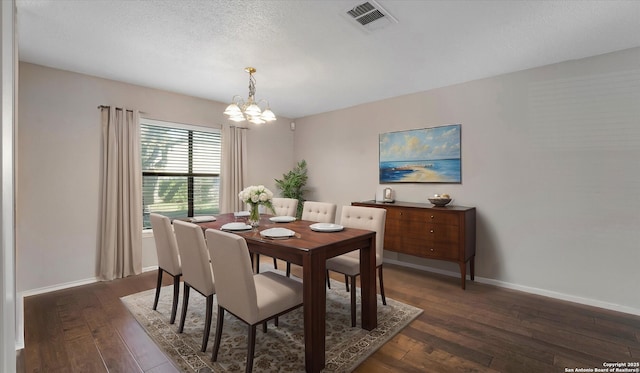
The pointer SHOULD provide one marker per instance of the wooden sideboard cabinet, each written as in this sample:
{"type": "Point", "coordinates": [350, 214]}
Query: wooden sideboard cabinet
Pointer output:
{"type": "Point", "coordinates": [423, 230]}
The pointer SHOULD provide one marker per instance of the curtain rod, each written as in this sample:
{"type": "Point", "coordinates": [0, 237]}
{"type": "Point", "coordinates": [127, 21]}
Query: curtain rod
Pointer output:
{"type": "Point", "coordinates": [107, 106]}
{"type": "Point", "coordinates": [240, 127]}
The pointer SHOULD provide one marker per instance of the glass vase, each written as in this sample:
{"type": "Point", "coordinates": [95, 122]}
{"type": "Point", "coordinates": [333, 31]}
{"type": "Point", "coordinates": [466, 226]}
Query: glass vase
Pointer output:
{"type": "Point", "coordinates": [254, 216]}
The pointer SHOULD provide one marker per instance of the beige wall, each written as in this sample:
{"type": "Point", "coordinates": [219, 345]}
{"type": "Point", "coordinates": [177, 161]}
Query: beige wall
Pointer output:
{"type": "Point", "coordinates": [550, 158]}
{"type": "Point", "coordinates": [59, 155]}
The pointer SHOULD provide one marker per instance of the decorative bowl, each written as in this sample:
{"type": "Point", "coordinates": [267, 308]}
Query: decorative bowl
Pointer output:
{"type": "Point", "coordinates": [440, 202]}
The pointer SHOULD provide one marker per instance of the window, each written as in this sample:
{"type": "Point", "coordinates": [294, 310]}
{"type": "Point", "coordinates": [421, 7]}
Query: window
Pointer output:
{"type": "Point", "coordinates": [180, 169]}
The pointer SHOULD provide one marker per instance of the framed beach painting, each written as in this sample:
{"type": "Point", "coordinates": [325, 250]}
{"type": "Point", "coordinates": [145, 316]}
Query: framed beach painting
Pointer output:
{"type": "Point", "coordinates": [427, 155]}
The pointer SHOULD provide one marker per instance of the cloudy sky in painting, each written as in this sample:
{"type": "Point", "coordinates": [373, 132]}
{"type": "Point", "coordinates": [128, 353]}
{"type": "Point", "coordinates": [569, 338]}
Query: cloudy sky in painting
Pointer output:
{"type": "Point", "coordinates": [421, 144]}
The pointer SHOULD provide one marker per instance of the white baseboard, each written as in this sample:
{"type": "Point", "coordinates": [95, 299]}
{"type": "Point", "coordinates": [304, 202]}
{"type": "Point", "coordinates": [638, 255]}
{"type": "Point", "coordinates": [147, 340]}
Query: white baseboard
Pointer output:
{"type": "Point", "coordinates": [526, 289]}
{"type": "Point", "coordinates": [19, 323]}
{"type": "Point", "coordinates": [66, 285]}
{"type": "Point", "coordinates": [149, 269]}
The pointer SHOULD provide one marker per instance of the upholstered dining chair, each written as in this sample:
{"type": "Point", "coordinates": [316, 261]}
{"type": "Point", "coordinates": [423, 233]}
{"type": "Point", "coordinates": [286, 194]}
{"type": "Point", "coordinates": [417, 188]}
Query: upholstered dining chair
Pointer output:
{"type": "Point", "coordinates": [321, 212]}
{"type": "Point", "coordinates": [285, 206]}
{"type": "Point", "coordinates": [251, 298]}
{"type": "Point", "coordinates": [168, 258]}
{"type": "Point", "coordinates": [360, 217]}
{"type": "Point", "coordinates": [196, 271]}
{"type": "Point", "coordinates": [282, 207]}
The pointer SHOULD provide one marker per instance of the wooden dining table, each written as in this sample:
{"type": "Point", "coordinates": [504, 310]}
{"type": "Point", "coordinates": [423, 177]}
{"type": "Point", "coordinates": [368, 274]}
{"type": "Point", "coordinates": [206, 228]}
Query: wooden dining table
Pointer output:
{"type": "Point", "coordinates": [310, 249]}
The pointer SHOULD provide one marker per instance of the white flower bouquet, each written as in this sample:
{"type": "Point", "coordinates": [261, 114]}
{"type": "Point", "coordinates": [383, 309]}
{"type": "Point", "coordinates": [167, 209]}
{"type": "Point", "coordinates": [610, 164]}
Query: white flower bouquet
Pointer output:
{"type": "Point", "coordinates": [255, 196]}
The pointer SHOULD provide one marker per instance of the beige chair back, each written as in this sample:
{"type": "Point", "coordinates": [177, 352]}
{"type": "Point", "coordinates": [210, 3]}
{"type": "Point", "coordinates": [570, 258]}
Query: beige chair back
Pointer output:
{"type": "Point", "coordinates": [285, 206]}
{"type": "Point", "coordinates": [236, 290]}
{"type": "Point", "coordinates": [166, 245]}
{"type": "Point", "coordinates": [196, 266]}
{"type": "Point", "coordinates": [370, 218]}
{"type": "Point", "coordinates": [322, 212]}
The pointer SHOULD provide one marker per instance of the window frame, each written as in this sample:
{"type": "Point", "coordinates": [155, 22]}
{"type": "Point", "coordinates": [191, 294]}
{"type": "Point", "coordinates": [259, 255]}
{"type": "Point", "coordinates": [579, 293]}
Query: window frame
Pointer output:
{"type": "Point", "coordinates": [190, 175]}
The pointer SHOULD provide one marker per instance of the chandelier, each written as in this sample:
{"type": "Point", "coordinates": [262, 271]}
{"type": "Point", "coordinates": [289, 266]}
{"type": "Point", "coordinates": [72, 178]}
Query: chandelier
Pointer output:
{"type": "Point", "coordinates": [240, 110]}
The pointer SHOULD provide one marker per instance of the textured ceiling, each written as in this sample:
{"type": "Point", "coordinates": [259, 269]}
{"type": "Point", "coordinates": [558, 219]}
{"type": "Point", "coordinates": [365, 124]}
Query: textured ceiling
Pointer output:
{"type": "Point", "coordinates": [310, 57]}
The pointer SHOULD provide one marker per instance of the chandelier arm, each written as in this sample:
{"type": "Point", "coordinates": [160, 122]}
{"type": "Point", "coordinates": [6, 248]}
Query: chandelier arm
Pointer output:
{"type": "Point", "coordinates": [238, 100]}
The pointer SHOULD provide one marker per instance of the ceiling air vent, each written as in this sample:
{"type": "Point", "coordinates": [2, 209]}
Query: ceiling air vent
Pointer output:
{"type": "Point", "coordinates": [370, 16]}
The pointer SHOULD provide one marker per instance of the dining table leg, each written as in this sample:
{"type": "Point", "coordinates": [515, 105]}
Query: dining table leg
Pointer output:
{"type": "Point", "coordinates": [314, 299]}
{"type": "Point", "coordinates": [368, 286]}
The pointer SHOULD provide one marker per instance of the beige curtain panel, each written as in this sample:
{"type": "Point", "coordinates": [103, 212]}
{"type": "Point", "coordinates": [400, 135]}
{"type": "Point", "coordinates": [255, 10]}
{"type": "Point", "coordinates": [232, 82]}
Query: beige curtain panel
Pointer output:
{"type": "Point", "coordinates": [121, 211]}
{"type": "Point", "coordinates": [234, 167]}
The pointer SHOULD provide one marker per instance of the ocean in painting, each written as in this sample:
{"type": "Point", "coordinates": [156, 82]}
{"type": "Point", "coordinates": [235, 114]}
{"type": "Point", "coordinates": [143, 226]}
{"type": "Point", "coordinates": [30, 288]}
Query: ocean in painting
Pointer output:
{"type": "Point", "coordinates": [434, 171]}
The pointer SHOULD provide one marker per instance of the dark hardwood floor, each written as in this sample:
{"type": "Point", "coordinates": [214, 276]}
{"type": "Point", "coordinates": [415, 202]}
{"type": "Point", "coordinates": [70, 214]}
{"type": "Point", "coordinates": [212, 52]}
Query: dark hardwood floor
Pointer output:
{"type": "Point", "coordinates": [482, 329]}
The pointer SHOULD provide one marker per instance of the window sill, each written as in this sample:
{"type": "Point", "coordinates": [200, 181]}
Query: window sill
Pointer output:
{"type": "Point", "coordinates": [147, 233]}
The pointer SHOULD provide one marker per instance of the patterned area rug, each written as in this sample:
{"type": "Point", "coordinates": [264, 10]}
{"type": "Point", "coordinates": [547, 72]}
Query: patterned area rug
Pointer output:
{"type": "Point", "coordinates": [281, 349]}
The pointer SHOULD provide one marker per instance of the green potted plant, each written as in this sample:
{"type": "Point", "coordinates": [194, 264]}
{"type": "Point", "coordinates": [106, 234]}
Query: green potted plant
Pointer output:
{"type": "Point", "coordinates": [292, 184]}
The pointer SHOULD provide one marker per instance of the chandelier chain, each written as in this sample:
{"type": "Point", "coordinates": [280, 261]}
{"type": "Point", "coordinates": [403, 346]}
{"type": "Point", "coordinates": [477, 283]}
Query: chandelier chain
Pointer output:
{"type": "Point", "coordinates": [252, 87]}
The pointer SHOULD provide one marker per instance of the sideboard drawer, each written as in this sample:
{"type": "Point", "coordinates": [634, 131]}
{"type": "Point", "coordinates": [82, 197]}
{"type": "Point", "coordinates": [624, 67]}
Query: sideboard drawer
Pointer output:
{"type": "Point", "coordinates": [441, 252]}
{"type": "Point", "coordinates": [423, 233]}
{"type": "Point", "coordinates": [422, 215]}
{"type": "Point", "coordinates": [431, 249]}
{"type": "Point", "coordinates": [437, 217]}
{"type": "Point", "coordinates": [442, 233]}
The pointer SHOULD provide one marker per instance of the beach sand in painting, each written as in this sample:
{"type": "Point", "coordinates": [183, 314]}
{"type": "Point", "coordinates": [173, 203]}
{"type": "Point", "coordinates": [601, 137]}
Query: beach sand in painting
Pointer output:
{"type": "Point", "coordinates": [422, 174]}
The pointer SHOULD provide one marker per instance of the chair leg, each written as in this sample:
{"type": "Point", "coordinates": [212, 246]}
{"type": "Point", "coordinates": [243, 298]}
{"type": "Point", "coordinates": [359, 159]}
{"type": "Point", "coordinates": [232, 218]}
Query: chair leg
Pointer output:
{"type": "Point", "coordinates": [185, 304]}
{"type": "Point", "coordinates": [275, 263]}
{"type": "Point", "coordinates": [158, 286]}
{"type": "Point", "coordinates": [384, 300]}
{"type": "Point", "coordinates": [251, 345]}
{"type": "Point", "coordinates": [346, 282]}
{"type": "Point", "coordinates": [216, 343]}
{"type": "Point", "coordinates": [257, 263]}
{"type": "Point", "coordinates": [328, 279]}
{"type": "Point", "coordinates": [353, 301]}
{"type": "Point", "coordinates": [207, 323]}
{"type": "Point", "coordinates": [288, 269]}
{"type": "Point", "coordinates": [176, 292]}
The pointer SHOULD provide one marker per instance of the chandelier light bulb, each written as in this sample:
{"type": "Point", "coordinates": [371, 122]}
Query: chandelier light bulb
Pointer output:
{"type": "Point", "coordinates": [232, 110]}
{"type": "Point", "coordinates": [253, 110]}
{"type": "Point", "coordinates": [256, 120]}
{"type": "Point", "coordinates": [268, 115]}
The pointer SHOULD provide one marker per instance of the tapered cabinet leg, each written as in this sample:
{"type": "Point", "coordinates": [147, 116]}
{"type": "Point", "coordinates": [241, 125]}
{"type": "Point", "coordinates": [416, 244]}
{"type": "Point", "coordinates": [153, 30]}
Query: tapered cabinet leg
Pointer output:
{"type": "Point", "coordinates": [463, 274]}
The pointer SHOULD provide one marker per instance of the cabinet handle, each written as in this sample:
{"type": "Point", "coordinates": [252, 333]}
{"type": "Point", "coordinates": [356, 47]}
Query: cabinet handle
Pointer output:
{"type": "Point", "coordinates": [431, 216]}
{"type": "Point", "coordinates": [431, 231]}
{"type": "Point", "coordinates": [431, 250]}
